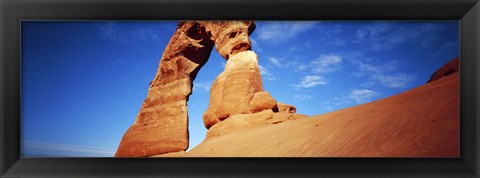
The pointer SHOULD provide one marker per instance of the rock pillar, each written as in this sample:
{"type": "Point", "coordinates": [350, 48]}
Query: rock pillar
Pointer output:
{"type": "Point", "coordinates": [162, 123]}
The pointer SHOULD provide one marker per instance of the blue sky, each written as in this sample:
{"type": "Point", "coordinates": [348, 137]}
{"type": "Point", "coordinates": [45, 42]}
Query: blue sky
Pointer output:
{"type": "Point", "coordinates": [83, 82]}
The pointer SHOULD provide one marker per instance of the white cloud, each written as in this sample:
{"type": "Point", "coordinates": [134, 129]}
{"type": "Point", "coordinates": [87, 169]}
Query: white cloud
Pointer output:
{"type": "Point", "coordinates": [202, 86]}
{"type": "Point", "coordinates": [70, 150]}
{"type": "Point", "coordinates": [310, 81]}
{"type": "Point", "coordinates": [384, 74]}
{"type": "Point", "coordinates": [326, 63]}
{"type": "Point", "coordinates": [338, 101]}
{"type": "Point", "coordinates": [255, 45]}
{"type": "Point", "coordinates": [367, 68]}
{"type": "Point", "coordinates": [297, 67]}
{"type": "Point", "coordinates": [368, 84]}
{"type": "Point", "coordinates": [266, 74]}
{"type": "Point", "coordinates": [397, 80]}
{"type": "Point", "coordinates": [275, 62]}
{"type": "Point", "coordinates": [289, 64]}
{"type": "Point", "coordinates": [355, 96]}
{"type": "Point", "coordinates": [302, 97]}
{"type": "Point", "coordinates": [276, 32]}
{"type": "Point", "coordinates": [381, 36]}
{"type": "Point", "coordinates": [362, 95]}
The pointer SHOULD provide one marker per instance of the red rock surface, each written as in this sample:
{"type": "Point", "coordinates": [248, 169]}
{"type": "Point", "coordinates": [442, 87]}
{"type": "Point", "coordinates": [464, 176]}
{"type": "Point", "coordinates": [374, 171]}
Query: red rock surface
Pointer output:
{"type": "Point", "coordinates": [449, 68]}
{"type": "Point", "coordinates": [238, 90]}
{"type": "Point", "coordinates": [282, 107]}
{"type": "Point", "coordinates": [162, 124]}
{"type": "Point", "coordinates": [244, 120]}
{"type": "Point", "coordinates": [421, 122]}
{"type": "Point", "coordinates": [231, 37]}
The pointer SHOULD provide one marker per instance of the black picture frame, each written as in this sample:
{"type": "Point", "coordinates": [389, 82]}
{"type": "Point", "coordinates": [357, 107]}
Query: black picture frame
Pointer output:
{"type": "Point", "coordinates": [14, 11]}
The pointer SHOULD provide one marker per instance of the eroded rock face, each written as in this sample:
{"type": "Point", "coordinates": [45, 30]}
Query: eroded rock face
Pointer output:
{"type": "Point", "coordinates": [240, 122]}
{"type": "Point", "coordinates": [162, 123]}
{"type": "Point", "coordinates": [447, 69]}
{"type": "Point", "coordinates": [282, 107]}
{"type": "Point", "coordinates": [237, 98]}
{"type": "Point", "coordinates": [265, 117]}
{"type": "Point", "coordinates": [231, 37]}
{"type": "Point", "coordinates": [238, 90]}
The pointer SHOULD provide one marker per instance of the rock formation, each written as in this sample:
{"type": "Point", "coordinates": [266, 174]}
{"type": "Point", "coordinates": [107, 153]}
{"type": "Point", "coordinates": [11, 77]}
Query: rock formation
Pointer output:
{"type": "Point", "coordinates": [447, 69]}
{"type": "Point", "coordinates": [240, 122]}
{"type": "Point", "coordinates": [282, 107]}
{"type": "Point", "coordinates": [161, 127]}
{"type": "Point", "coordinates": [421, 122]}
{"type": "Point", "coordinates": [231, 37]}
{"type": "Point", "coordinates": [238, 90]}
{"type": "Point", "coordinates": [162, 123]}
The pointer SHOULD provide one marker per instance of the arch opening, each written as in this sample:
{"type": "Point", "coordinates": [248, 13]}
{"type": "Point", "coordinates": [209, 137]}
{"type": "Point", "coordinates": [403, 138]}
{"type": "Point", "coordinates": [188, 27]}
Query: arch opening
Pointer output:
{"type": "Point", "coordinates": [162, 123]}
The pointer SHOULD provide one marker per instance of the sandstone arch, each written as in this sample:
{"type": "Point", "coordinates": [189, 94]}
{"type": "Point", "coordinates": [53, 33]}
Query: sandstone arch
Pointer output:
{"type": "Point", "coordinates": [162, 123]}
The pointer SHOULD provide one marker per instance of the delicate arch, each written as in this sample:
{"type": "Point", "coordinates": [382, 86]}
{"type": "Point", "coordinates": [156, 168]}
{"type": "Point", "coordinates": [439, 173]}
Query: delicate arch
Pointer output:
{"type": "Point", "coordinates": [162, 123]}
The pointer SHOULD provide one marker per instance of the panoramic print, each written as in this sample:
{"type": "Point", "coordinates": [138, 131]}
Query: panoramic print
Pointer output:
{"type": "Point", "coordinates": [240, 89]}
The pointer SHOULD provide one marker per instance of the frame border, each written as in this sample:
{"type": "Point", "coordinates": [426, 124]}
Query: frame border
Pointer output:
{"type": "Point", "coordinates": [14, 11]}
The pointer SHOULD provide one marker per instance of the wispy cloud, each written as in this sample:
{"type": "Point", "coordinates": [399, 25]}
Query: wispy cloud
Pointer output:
{"type": "Point", "coordinates": [266, 74]}
{"type": "Point", "coordinates": [397, 80]}
{"type": "Point", "coordinates": [362, 95]}
{"type": "Point", "coordinates": [57, 149]}
{"type": "Point", "coordinates": [326, 63]}
{"type": "Point", "coordinates": [255, 45]}
{"type": "Point", "coordinates": [355, 96]}
{"type": "Point", "coordinates": [202, 86]}
{"type": "Point", "coordinates": [114, 32]}
{"type": "Point", "coordinates": [383, 36]}
{"type": "Point", "coordinates": [380, 36]}
{"type": "Point", "coordinates": [384, 74]}
{"type": "Point", "coordinates": [310, 81]}
{"type": "Point", "coordinates": [276, 32]}
{"type": "Point", "coordinates": [289, 64]}
{"type": "Point", "coordinates": [275, 62]}
{"type": "Point", "coordinates": [315, 69]}
{"type": "Point", "coordinates": [300, 97]}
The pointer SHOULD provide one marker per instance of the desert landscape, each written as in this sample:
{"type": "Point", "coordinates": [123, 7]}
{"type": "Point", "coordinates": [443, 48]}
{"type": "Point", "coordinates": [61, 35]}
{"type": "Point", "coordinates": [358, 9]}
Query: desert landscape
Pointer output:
{"type": "Point", "coordinates": [244, 120]}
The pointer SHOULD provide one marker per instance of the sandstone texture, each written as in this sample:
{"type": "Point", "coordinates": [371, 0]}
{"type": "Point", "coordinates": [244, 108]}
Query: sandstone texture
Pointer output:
{"type": "Point", "coordinates": [241, 122]}
{"type": "Point", "coordinates": [244, 120]}
{"type": "Point", "coordinates": [450, 68]}
{"type": "Point", "coordinates": [238, 90]}
{"type": "Point", "coordinates": [171, 154]}
{"type": "Point", "coordinates": [421, 122]}
{"type": "Point", "coordinates": [162, 123]}
{"type": "Point", "coordinates": [282, 107]}
{"type": "Point", "coordinates": [161, 127]}
{"type": "Point", "coordinates": [231, 37]}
